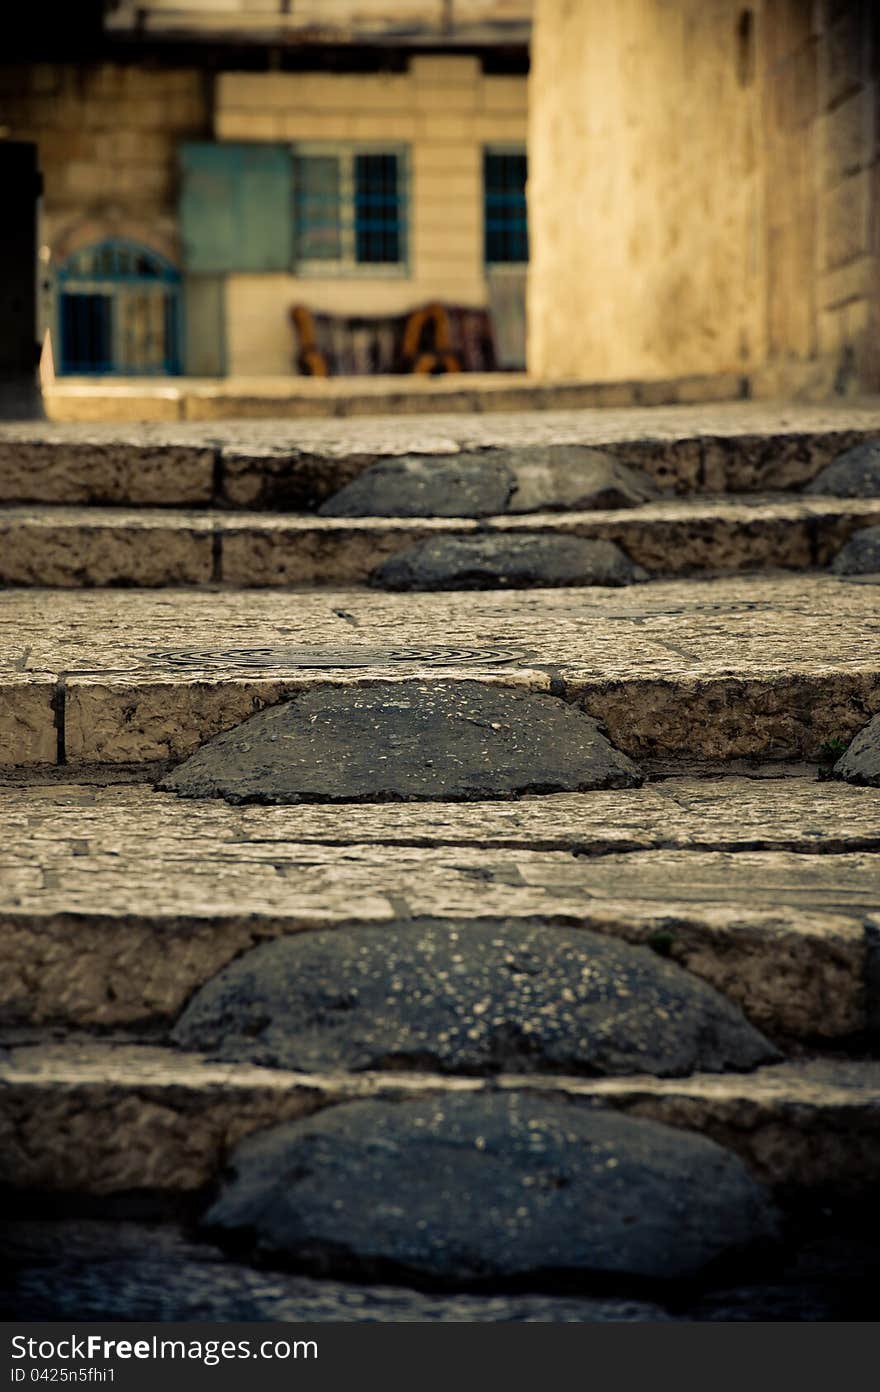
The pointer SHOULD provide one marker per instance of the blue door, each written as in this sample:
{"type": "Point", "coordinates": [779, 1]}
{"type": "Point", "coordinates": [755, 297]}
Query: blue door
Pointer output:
{"type": "Point", "coordinates": [118, 311]}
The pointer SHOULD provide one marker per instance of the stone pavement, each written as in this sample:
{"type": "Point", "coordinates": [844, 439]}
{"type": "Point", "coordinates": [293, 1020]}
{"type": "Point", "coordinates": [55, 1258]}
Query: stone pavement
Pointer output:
{"type": "Point", "coordinates": [552, 963]}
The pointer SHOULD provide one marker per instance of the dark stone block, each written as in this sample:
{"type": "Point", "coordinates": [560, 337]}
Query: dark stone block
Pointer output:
{"type": "Point", "coordinates": [458, 485]}
{"type": "Point", "coordinates": [394, 741]}
{"type": "Point", "coordinates": [463, 1190]}
{"type": "Point", "coordinates": [860, 555]}
{"type": "Point", "coordinates": [853, 474]}
{"type": "Point", "coordinates": [576, 477]}
{"type": "Point", "coordinates": [483, 483]}
{"type": "Point", "coordinates": [473, 998]}
{"type": "Point", "coordinates": [861, 762]}
{"type": "Point", "coordinates": [491, 561]}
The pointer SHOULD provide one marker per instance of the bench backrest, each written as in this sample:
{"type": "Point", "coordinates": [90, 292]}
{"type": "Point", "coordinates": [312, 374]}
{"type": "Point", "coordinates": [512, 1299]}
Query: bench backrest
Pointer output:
{"type": "Point", "coordinates": [432, 338]}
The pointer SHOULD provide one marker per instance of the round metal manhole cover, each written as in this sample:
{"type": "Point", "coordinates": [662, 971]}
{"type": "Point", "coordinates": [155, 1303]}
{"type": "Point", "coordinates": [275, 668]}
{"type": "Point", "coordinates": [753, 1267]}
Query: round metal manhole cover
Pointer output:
{"type": "Point", "coordinates": [185, 658]}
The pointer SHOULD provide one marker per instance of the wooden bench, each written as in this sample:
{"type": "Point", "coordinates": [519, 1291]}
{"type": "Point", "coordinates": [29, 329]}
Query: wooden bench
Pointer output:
{"type": "Point", "coordinates": [434, 338]}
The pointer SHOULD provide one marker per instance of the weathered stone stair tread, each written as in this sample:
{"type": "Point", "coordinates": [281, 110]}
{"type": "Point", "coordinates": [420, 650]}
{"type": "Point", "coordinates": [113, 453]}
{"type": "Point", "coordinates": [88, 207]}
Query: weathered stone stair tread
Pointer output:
{"type": "Point", "coordinates": [110, 1117]}
{"type": "Point", "coordinates": [121, 931]}
{"type": "Point", "coordinates": [80, 546]}
{"type": "Point", "coordinates": [848, 882]}
{"type": "Point", "coordinates": [716, 669]}
{"type": "Point", "coordinates": [797, 814]}
{"type": "Point", "coordinates": [741, 446]}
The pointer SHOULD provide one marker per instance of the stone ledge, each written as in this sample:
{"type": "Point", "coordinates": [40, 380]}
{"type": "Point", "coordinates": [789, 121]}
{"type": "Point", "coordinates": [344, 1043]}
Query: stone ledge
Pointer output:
{"type": "Point", "coordinates": [736, 446]}
{"type": "Point", "coordinates": [59, 823]}
{"type": "Point", "coordinates": [109, 939]}
{"type": "Point", "coordinates": [297, 397]}
{"type": "Point", "coordinates": [88, 546]}
{"type": "Point", "coordinates": [105, 1119]}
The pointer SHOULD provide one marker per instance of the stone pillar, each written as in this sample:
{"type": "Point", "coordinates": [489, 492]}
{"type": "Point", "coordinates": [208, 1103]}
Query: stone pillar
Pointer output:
{"type": "Point", "coordinates": [643, 201]}
{"type": "Point", "coordinates": [703, 192]}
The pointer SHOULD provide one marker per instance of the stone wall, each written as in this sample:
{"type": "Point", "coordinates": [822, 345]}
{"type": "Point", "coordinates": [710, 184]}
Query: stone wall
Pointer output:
{"type": "Point", "coordinates": [107, 138]}
{"type": "Point", "coordinates": [445, 110]}
{"type": "Point", "coordinates": [703, 185]}
{"type": "Point", "coordinates": [849, 128]}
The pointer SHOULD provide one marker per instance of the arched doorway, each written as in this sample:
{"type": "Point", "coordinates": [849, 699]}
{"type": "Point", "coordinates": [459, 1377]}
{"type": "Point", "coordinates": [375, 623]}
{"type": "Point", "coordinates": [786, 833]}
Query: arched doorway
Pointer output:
{"type": "Point", "coordinates": [118, 311]}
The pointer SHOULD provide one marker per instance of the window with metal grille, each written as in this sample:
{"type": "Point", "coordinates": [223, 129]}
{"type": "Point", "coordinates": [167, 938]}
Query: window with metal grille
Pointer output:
{"type": "Point", "coordinates": [350, 208]}
{"type": "Point", "coordinates": [504, 207]}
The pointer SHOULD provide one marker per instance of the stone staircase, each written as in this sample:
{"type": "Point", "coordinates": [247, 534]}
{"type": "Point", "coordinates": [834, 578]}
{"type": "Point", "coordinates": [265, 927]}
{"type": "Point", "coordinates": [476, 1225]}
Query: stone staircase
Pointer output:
{"type": "Point", "coordinates": [434, 884]}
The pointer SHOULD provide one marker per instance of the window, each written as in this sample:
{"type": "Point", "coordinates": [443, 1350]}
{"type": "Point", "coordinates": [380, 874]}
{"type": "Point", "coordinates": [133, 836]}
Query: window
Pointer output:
{"type": "Point", "coordinates": [504, 207]}
{"type": "Point", "coordinates": [349, 210]}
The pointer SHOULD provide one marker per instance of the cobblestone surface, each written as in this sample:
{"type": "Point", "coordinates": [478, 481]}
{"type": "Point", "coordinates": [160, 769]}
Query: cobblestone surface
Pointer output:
{"type": "Point", "coordinates": [89, 1270]}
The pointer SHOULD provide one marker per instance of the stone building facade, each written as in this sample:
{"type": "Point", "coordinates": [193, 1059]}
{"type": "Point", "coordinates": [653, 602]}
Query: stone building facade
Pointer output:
{"type": "Point", "coordinates": [704, 184]}
{"type": "Point", "coordinates": [107, 137]}
{"type": "Point", "coordinates": [113, 135]}
{"type": "Point", "coordinates": [704, 192]}
{"type": "Point", "coordinates": [443, 112]}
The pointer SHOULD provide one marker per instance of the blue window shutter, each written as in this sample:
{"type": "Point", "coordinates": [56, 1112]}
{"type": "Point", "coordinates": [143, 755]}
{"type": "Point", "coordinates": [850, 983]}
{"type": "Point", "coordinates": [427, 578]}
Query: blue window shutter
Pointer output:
{"type": "Point", "coordinates": [235, 207]}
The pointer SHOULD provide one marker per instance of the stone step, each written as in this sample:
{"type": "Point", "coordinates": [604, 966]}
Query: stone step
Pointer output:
{"type": "Point", "coordinates": [734, 447]}
{"type": "Point", "coordinates": [151, 547]}
{"type": "Point", "coordinates": [108, 1118]}
{"type": "Point", "coordinates": [119, 903]}
{"type": "Point", "coordinates": [59, 822]}
{"type": "Point", "coordinates": [746, 667]}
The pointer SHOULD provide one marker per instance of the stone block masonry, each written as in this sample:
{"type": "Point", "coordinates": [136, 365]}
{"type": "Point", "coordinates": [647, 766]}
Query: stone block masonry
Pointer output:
{"type": "Point", "coordinates": [107, 136]}
{"type": "Point", "coordinates": [445, 110]}
{"type": "Point", "coordinates": [730, 668]}
{"type": "Point", "coordinates": [733, 226]}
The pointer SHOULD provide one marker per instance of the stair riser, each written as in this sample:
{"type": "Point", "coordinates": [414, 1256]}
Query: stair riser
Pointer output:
{"type": "Point", "coordinates": [797, 973]}
{"type": "Point", "coordinates": [712, 720]}
{"type": "Point", "coordinates": [84, 553]}
{"type": "Point", "coordinates": [173, 473]}
{"type": "Point", "coordinates": [172, 1137]}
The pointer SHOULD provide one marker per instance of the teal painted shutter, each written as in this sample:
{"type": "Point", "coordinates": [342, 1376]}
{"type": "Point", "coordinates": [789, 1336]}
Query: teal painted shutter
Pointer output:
{"type": "Point", "coordinates": [236, 207]}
